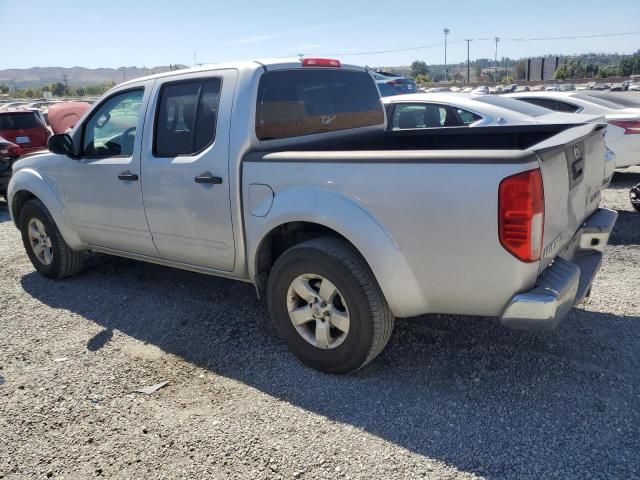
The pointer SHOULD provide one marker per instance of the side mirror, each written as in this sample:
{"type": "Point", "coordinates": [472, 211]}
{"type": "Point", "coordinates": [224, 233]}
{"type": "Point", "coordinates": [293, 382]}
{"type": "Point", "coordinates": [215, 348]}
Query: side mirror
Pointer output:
{"type": "Point", "coordinates": [62, 144]}
{"type": "Point", "coordinates": [103, 120]}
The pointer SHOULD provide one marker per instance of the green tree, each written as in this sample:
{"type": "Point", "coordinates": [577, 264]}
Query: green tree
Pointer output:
{"type": "Point", "coordinates": [603, 72]}
{"type": "Point", "coordinates": [4, 88]}
{"type": "Point", "coordinates": [630, 65]}
{"type": "Point", "coordinates": [57, 89]}
{"type": "Point", "coordinates": [561, 73]}
{"type": "Point", "coordinates": [421, 79]}
{"type": "Point", "coordinates": [419, 67]}
{"type": "Point", "coordinates": [80, 92]}
{"type": "Point", "coordinates": [521, 70]}
{"type": "Point", "coordinates": [28, 93]}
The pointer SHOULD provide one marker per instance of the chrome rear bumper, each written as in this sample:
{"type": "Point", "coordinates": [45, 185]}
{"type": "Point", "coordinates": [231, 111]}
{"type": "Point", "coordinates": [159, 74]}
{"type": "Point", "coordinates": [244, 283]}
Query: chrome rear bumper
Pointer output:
{"type": "Point", "coordinates": [565, 282]}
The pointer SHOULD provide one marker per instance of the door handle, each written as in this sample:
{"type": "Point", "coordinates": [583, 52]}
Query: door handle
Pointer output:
{"type": "Point", "coordinates": [208, 177]}
{"type": "Point", "coordinates": [127, 175]}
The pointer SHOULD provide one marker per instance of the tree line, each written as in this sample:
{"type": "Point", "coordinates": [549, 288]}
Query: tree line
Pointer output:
{"type": "Point", "coordinates": [589, 65]}
{"type": "Point", "coordinates": [59, 89]}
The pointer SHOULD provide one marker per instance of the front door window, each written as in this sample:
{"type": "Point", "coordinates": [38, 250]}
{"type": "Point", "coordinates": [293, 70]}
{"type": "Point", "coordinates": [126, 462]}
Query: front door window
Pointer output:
{"type": "Point", "coordinates": [111, 130]}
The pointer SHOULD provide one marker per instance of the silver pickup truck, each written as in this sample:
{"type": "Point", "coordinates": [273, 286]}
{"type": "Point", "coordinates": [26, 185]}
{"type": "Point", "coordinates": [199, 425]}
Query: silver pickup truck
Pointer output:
{"type": "Point", "coordinates": [280, 173]}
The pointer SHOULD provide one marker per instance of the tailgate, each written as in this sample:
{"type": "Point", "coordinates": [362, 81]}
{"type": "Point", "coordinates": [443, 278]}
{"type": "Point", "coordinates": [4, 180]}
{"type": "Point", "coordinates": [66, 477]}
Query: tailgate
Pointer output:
{"type": "Point", "coordinates": [573, 172]}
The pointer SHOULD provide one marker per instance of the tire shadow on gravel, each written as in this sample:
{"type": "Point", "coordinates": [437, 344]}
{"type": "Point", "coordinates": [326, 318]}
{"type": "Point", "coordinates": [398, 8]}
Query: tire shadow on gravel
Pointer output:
{"type": "Point", "coordinates": [624, 179]}
{"type": "Point", "coordinates": [627, 229]}
{"type": "Point", "coordinates": [462, 390]}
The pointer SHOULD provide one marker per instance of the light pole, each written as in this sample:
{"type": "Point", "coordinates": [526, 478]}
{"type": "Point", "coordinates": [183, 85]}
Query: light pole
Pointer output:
{"type": "Point", "coordinates": [468, 40]}
{"type": "Point", "coordinates": [495, 66]}
{"type": "Point", "coordinates": [446, 32]}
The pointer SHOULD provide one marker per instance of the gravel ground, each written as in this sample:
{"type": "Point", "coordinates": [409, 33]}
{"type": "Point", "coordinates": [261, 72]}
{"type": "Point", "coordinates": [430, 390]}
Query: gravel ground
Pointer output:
{"type": "Point", "coordinates": [451, 397]}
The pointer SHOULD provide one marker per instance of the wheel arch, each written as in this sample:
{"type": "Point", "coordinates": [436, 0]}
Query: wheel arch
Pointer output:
{"type": "Point", "coordinates": [28, 184]}
{"type": "Point", "coordinates": [301, 214]}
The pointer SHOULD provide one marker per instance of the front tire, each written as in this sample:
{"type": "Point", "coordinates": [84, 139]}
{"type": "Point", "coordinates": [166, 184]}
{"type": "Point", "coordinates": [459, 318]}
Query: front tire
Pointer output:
{"type": "Point", "coordinates": [328, 307]}
{"type": "Point", "coordinates": [49, 253]}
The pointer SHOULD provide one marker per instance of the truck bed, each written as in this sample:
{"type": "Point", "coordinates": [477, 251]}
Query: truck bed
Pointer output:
{"type": "Point", "coordinates": [513, 137]}
{"type": "Point", "coordinates": [435, 194]}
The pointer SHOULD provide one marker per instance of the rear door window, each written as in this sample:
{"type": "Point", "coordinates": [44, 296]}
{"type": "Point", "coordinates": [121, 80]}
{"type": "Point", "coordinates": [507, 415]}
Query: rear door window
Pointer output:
{"type": "Point", "coordinates": [551, 104]}
{"type": "Point", "coordinates": [293, 103]}
{"type": "Point", "coordinates": [15, 121]}
{"type": "Point", "coordinates": [424, 115]}
{"type": "Point", "coordinates": [186, 117]}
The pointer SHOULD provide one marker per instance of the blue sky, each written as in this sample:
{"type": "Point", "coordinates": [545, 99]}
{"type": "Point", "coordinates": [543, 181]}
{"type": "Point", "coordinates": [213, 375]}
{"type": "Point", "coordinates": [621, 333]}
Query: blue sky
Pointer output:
{"type": "Point", "coordinates": [116, 33]}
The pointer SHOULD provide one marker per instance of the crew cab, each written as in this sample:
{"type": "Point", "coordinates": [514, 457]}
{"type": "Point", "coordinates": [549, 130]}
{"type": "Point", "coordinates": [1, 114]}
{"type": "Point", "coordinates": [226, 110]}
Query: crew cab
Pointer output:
{"type": "Point", "coordinates": [282, 173]}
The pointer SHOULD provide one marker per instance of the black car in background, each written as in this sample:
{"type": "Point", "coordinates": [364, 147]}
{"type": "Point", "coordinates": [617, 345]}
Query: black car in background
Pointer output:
{"type": "Point", "coordinates": [9, 153]}
{"type": "Point", "coordinates": [391, 84]}
{"type": "Point", "coordinates": [634, 195]}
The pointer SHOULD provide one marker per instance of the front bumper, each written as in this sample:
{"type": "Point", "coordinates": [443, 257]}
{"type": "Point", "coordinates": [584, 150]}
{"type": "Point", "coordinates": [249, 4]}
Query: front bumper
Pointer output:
{"type": "Point", "coordinates": [566, 281]}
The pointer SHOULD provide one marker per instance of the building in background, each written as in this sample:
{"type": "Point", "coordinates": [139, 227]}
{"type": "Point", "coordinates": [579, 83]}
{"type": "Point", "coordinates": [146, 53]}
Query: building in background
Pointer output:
{"type": "Point", "coordinates": [542, 68]}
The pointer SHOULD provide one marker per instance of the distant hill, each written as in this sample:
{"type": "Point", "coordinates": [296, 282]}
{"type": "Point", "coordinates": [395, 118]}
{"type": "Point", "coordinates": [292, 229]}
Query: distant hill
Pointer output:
{"type": "Point", "coordinates": [76, 76]}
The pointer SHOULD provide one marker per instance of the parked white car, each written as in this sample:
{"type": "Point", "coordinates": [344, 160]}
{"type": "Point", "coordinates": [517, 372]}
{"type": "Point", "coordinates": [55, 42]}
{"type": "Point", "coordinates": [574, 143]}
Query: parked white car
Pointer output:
{"type": "Point", "coordinates": [459, 110]}
{"type": "Point", "coordinates": [481, 90]}
{"type": "Point", "coordinates": [435, 110]}
{"type": "Point", "coordinates": [623, 132]}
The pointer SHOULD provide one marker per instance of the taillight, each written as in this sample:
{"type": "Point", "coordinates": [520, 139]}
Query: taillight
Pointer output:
{"type": "Point", "coordinates": [521, 215]}
{"type": "Point", "coordinates": [631, 127]}
{"type": "Point", "coordinates": [394, 82]}
{"type": "Point", "coordinates": [321, 62]}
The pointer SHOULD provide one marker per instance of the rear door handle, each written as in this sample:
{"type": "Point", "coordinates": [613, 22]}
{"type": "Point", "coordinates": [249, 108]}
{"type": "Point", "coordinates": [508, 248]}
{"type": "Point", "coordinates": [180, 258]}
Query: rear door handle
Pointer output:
{"type": "Point", "coordinates": [208, 177]}
{"type": "Point", "coordinates": [127, 175]}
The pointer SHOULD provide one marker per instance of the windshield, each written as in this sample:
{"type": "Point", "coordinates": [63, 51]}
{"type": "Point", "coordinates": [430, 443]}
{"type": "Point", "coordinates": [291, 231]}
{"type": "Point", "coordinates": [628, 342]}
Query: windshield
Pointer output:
{"type": "Point", "coordinates": [515, 105]}
{"type": "Point", "coordinates": [601, 101]}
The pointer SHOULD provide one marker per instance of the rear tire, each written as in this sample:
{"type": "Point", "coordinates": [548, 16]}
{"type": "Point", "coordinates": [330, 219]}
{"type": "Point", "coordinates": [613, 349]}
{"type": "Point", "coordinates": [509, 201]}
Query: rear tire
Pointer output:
{"type": "Point", "coordinates": [49, 253]}
{"type": "Point", "coordinates": [349, 322]}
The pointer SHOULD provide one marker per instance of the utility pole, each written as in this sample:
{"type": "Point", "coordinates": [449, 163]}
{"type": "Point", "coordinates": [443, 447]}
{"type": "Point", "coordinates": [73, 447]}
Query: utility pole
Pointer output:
{"type": "Point", "coordinates": [66, 85]}
{"type": "Point", "coordinates": [495, 67]}
{"type": "Point", "coordinates": [446, 33]}
{"type": "Point", "coordinates": [468, 40]}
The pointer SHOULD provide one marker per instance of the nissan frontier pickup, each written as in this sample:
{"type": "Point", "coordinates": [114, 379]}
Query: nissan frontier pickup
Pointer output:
{"type": "Point", "coordinates": [281, 173]}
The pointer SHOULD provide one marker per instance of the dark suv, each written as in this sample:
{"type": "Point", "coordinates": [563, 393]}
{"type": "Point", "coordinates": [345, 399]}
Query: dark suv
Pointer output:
{"type": "Point", "coordinates": [391, 84]}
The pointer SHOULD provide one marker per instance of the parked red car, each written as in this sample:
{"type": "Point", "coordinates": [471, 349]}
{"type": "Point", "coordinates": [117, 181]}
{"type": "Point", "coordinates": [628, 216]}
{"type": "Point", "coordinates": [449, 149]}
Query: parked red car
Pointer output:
{"type": "Point", "coordinates": [25, 128]}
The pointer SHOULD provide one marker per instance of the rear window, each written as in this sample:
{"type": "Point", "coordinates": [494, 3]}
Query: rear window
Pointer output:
{"type": "Point", "coordinates": [601, 101]}
{"type": "Point", "coordinates": [14, 121]}
{"type": "Point", "coordinates": [515, 105]}
{"type": "Point", "coordinates": [293, 103]}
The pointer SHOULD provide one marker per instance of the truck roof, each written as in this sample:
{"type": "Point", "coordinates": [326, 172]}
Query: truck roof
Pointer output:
{"type": "Point", "coordinates": [266, 63]}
